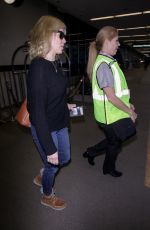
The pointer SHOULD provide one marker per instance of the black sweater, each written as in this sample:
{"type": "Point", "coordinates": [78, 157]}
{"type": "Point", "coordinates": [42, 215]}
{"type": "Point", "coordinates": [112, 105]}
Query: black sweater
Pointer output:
{"type": "Point", "coordinates": [47, 102]}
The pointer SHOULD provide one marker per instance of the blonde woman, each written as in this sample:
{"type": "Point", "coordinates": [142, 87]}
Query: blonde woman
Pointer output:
{"type": "Point", "coordinates": [111, 98]}
{"type": "Point", "coordinates": [47, 104]}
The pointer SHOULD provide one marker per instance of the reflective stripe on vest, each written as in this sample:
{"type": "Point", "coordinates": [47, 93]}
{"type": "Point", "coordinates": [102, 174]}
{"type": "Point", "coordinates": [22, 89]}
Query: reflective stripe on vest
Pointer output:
{"type": "Point", "coordinates": [101, 97]}
{"type": "Point", "coordinates": [119, 93]}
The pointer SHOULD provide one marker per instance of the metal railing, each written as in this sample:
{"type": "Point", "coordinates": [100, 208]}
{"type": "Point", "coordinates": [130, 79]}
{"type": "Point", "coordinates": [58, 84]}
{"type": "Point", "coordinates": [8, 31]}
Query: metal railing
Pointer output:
{"type": "Point", "coordinates": [12, 91]}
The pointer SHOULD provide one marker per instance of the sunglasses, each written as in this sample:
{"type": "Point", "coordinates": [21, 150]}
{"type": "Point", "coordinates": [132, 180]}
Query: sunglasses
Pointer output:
{"type": "Point", "coordinates": [62, 35]}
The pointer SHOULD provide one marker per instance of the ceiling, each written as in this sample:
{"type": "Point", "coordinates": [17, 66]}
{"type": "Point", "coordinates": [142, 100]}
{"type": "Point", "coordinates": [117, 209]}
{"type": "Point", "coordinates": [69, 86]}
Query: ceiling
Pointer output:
{"type": "Point", "coordinates": [86, 9]}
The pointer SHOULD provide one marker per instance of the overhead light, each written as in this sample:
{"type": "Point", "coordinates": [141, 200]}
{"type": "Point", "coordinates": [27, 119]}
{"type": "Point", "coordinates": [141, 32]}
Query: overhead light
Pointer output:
{"type": "Point", "coordinates": [144, 45]}
{"type": "Point", "coordinates": [134, 28]}
{"type": "Point", "coordinates": [127, 15]}
{"type": "Point", "coordinates": [101, 18]}
{"type": "Point", "coordinates": [9, 1]}
{"type": "Point", "coordinates": [136, 35]}
{"type": "Point", "coordinates": [140, 35]}
{"type": "Point", "coordinates": [121, 15]}
{"type": "Point", "coordinates": [137, 40]}
{"type": "Point", "coordinates": [146, 12]}
{"type": "Point", "coordinates": [74, 34]}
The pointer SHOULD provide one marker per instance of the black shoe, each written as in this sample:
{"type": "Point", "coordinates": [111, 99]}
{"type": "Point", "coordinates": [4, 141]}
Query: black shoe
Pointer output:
{"type": "Point", "coordinates": [113, 173]}
{"type": "Point", "coordinates": [90, 159]}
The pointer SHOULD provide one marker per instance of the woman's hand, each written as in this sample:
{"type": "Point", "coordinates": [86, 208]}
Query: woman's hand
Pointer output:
{"type": "Point", "coordinates": [133, 115]}
{"type": "Point", "coordinates": [132, 107]}
{"type": "Point", "coordinates": [71, 106]}
{"type": "Point", "coordinates": [53, 159]}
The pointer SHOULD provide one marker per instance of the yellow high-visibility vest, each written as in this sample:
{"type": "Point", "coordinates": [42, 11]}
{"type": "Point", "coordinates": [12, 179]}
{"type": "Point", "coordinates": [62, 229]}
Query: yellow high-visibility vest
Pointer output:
{"type": "Point", "coordinates": [104, 111]}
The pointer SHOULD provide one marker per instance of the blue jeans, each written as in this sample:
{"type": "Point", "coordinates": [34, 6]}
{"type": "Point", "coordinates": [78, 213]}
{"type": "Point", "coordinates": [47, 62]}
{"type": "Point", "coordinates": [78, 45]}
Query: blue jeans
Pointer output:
{"type": "Point", "coordinates": [62, 143]}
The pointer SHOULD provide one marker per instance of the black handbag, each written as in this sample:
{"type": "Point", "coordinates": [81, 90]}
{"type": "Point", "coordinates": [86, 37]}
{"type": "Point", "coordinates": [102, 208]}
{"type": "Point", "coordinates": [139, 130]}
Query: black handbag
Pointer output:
{"type": "Point", "coordinates": [124, 128]}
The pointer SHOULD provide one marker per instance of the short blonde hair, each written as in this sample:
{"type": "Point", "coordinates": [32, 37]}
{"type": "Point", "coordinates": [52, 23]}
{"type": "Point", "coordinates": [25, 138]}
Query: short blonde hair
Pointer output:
{"type": "Point", "coordinates": [41, 33]}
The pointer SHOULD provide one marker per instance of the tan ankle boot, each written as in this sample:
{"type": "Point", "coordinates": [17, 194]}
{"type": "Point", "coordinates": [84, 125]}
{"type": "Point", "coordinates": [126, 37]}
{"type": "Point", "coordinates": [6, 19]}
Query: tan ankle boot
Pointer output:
{"type": "Point", "coordinates": [53, 202]}
{"type": "Point", "coordinates": [38, 180]}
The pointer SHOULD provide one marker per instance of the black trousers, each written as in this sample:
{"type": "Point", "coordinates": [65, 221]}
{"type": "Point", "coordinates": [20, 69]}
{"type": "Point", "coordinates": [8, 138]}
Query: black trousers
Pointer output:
{"type": "Point", "coordinates": [111, 146]}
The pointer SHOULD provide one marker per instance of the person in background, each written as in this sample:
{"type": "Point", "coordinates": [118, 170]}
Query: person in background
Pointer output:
{"type": "Point", "coordinates": [111, 97]}
{"type": "Point", "coordinates": [47, 104]}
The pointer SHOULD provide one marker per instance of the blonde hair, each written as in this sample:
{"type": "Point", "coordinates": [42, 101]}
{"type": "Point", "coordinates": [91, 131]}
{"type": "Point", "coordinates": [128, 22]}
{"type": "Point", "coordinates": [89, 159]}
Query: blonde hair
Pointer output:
{"type": "Point", "coordinates": [107, 32]}
{"type": "Point", "coordinates": [41, 33]}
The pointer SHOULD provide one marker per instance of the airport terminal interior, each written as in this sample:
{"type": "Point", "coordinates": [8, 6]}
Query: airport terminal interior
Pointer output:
{"type": "Point", "coordinates": [94, 201]}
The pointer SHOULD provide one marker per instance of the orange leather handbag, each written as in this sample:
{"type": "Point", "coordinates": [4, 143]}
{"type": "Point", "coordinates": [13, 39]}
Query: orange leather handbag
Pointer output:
{"type": "Point", "coordinates": [22, 116]}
